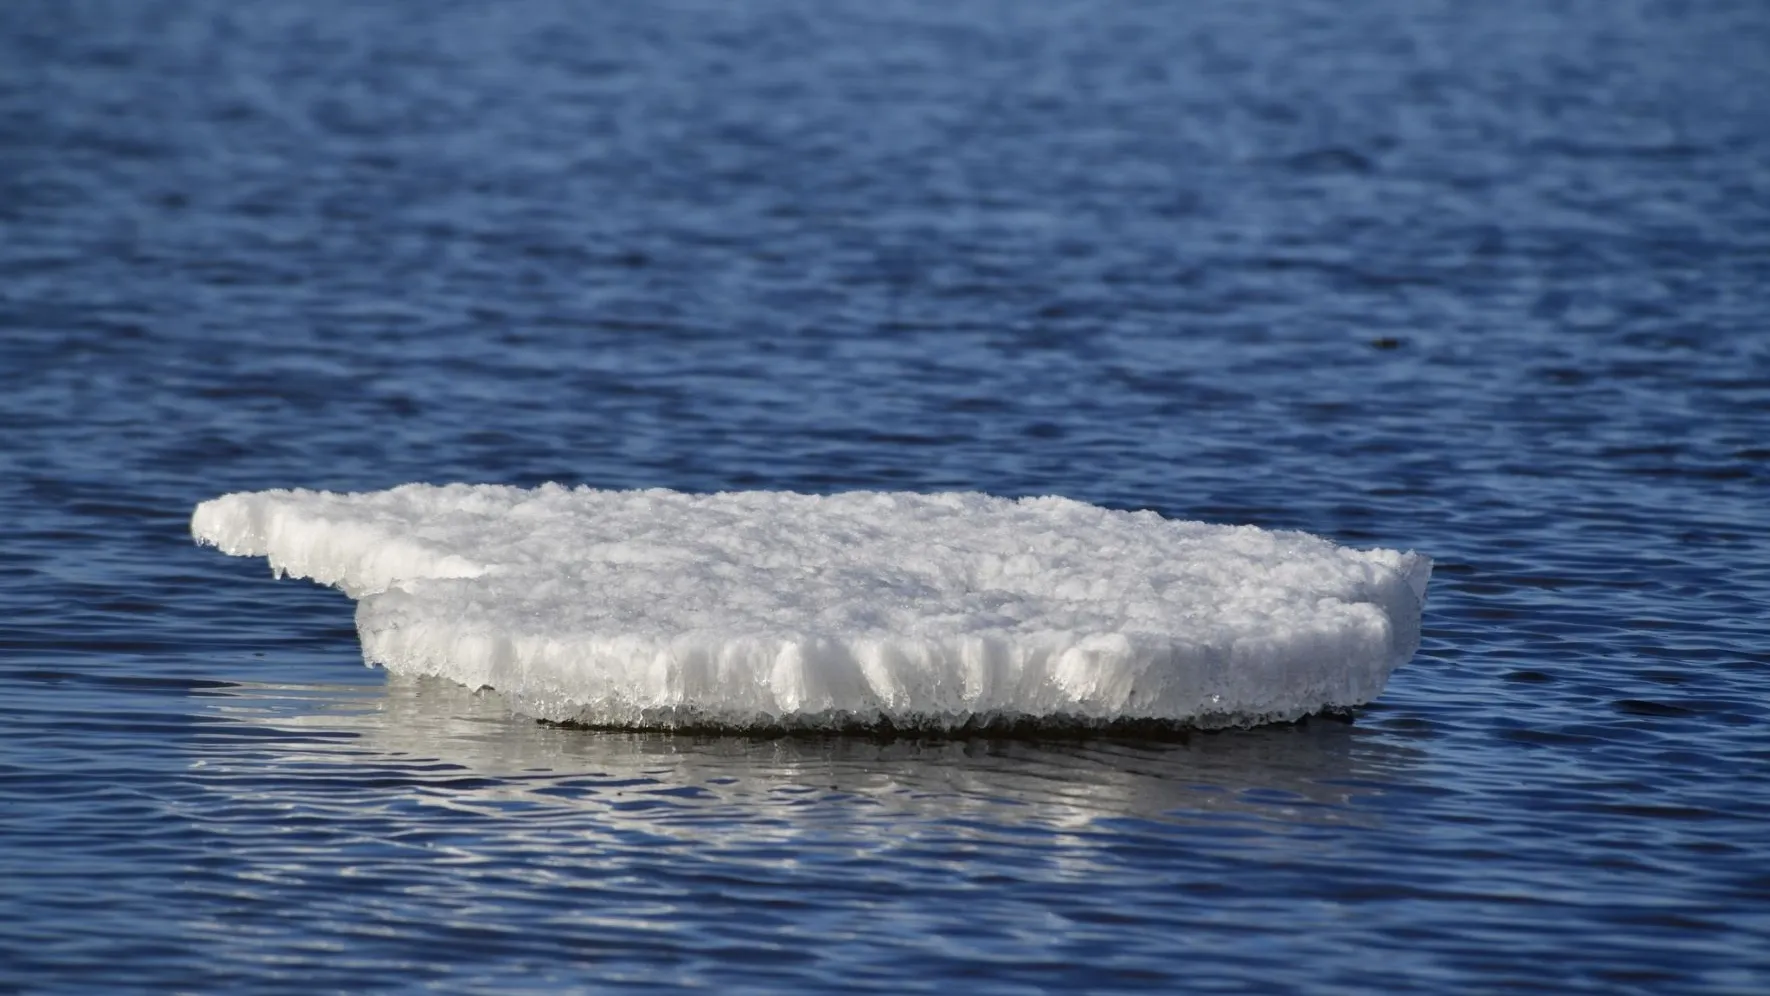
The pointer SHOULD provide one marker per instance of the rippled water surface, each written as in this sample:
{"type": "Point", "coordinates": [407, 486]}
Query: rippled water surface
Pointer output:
{"type": "Point", "coordinates": [1488, 281]}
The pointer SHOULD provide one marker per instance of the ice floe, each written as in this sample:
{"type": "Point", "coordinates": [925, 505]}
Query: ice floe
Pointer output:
{"type": "Point", "coordinates": [772, 609]}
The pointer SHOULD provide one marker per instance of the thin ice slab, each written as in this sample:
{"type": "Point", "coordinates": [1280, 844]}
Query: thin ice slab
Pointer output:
{"type": "Point", "coordinates": [778, 610]}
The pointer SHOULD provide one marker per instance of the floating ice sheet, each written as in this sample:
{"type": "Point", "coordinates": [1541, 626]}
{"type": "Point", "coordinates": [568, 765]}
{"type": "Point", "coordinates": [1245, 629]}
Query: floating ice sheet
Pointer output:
{"type": "Point", "coordinates": [769, 609]}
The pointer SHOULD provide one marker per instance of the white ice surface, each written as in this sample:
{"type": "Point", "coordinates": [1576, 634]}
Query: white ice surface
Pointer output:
{"type": "Point", "coordinates": [742, 609]}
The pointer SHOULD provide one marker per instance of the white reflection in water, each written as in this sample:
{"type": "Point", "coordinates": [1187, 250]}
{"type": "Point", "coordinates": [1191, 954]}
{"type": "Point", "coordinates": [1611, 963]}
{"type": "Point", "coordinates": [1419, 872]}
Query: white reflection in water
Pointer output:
{"type": "Point", "coordinates": [399, 814]}
{"type": "Point", "coordinates": [464, 750]}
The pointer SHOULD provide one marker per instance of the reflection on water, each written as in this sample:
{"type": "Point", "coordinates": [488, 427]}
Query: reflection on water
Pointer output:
{"type": "Point", "coordinates": [391, 818]}
{"type": "Point", "coordinates": [386, 820]}
{"type": "Point", "coordinates": [465, 749]}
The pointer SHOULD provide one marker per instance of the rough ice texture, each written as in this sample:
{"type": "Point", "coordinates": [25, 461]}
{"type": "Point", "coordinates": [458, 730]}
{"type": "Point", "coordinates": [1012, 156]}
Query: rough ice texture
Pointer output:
{"type": "Point", "coordinates": [769, 609]}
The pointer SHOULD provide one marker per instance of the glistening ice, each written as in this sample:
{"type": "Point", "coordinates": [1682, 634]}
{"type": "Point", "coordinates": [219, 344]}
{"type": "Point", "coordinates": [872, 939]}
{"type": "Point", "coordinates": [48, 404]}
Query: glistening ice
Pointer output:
{"type": "Point", "coordinates": [770, 609]}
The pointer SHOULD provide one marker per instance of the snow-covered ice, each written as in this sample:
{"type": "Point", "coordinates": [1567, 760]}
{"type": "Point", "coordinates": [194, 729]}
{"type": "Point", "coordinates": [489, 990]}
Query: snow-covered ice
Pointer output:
{"type": "Point", "coordinates": [747, 609]}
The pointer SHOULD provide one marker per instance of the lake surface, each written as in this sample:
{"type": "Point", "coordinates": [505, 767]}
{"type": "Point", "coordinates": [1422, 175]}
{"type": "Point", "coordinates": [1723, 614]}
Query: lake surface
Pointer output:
{"type": "Point", "coordinates": [1487, 281]}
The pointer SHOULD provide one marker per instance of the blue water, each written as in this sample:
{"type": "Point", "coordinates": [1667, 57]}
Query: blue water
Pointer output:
{"type": "Point", "coordinates": [1490, 281]}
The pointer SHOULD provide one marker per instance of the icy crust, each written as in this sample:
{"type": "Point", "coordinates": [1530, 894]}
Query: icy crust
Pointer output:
{"type": "Point", "coordinates": [767, 609]}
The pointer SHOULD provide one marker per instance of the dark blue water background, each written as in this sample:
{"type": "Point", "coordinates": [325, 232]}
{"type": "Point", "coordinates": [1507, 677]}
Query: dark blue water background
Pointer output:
{"type": "Point", "coordinates": [1491, 281]}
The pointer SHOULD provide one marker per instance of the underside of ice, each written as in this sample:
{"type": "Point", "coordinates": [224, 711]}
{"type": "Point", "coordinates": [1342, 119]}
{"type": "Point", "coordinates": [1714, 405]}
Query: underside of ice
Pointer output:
{"type": "Point", "coordinates": [779, 610]}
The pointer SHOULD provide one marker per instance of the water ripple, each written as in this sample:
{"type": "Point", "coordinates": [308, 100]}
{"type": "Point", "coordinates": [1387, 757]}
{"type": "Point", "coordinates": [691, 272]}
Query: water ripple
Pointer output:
{"type": "Point", "coordinates": [1485, 282]}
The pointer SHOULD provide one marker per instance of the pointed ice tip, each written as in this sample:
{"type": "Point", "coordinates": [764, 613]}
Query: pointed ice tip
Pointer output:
{"type": "Point", "coordinates": [1418, 574]}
